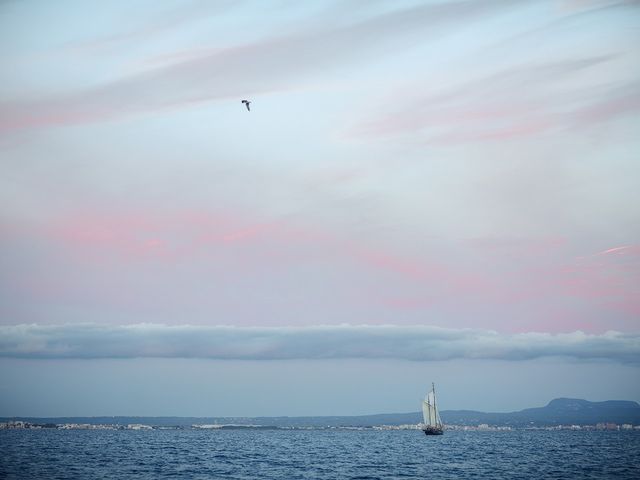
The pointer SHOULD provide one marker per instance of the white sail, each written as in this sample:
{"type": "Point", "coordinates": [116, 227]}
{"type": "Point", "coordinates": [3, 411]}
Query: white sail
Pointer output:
{"type": "Point", "coordinates": [430, 413]}
{"type": "Point", "coordinates": [425, 412]}
{"type": "Point", "coordinates": [432, 409]}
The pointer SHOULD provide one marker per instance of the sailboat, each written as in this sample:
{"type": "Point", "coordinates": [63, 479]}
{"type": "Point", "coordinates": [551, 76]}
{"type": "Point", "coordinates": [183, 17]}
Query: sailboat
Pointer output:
{"type": "Point", "coordinates": [432, 424]}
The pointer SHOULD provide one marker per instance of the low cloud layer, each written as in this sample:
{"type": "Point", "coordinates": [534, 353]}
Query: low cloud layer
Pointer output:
{"type": "Point", "coordinates": [417, 343]}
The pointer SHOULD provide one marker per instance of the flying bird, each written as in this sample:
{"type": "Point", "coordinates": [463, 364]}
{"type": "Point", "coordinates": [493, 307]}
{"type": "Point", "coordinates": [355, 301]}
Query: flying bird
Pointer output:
{"type": "Point", "coordinates": [246, 104]}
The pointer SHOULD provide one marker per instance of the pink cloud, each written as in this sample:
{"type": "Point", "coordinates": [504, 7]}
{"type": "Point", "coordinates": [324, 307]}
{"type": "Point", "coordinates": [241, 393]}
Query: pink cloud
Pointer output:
{"type": "Point", "coordinates": [152, 234]}
{"type": "Point", "coordinates": [604, 278]}
{"type": "Point", "coordinates": [518, 102]}
{"type": "Point", "coordinates": [384, 260]}
{"type": "Point", "coordinates": [188, 235]}
{"type": "Point", "coordinates": [624, 250]}
{"type": "Point", "coordinates": [507, 283]}
{"type": "Point", "coordinates": [623, 101]}
{"type": "Point", "coordinates": [131, 238]}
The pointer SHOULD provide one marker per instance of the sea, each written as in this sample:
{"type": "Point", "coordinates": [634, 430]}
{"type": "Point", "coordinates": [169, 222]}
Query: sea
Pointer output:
{"type": "Point", "coordinates": [317, 454]}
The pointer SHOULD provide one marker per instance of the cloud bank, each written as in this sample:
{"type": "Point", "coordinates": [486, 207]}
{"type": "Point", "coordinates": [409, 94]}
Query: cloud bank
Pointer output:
{"type": "Point", "coordinates": [416, 343]}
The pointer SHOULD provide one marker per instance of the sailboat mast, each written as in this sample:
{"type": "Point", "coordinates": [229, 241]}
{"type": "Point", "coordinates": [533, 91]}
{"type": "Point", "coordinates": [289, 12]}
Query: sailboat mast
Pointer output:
{"type": "Point", "coordinates": [435, 410]}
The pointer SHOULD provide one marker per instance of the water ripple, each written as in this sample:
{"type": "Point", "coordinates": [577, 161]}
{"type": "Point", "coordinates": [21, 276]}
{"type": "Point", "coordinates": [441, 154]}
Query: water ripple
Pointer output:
{"type": "Point", "coordinates": [291, 455]}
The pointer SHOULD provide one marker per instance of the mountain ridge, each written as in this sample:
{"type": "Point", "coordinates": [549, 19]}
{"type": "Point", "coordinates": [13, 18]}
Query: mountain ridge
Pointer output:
{"type": "Point", "coordinates": [558, 411]}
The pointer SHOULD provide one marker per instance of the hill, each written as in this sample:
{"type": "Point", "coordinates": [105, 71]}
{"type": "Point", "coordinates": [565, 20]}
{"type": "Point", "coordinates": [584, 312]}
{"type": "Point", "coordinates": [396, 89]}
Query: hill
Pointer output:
{"type": "Point", "coordinates": [560, 411]}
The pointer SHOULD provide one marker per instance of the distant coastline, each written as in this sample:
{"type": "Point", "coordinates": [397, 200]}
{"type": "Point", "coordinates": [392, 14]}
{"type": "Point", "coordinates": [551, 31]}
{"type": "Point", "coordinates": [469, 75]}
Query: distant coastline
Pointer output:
{"type": "Point", "coordinates": [560, 413]}
{"type": "Point", "coordinates": [22, 425]}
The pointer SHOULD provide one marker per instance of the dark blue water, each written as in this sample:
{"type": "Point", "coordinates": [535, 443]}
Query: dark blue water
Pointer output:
{"type": "Point", "coordinates": [193, 454]}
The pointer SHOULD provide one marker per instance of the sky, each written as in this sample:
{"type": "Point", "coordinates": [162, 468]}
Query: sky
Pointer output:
{"type": "Point", "coordinates": [434, 191]}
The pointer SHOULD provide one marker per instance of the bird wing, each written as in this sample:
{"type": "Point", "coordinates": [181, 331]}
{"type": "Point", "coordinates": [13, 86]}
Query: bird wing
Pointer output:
{"type": "Point", "coordinates": [247, 104]}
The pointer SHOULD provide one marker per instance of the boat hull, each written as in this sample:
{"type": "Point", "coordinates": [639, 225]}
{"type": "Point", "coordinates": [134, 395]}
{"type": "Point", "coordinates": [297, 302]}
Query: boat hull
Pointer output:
{"type": "Point", "coordinates": [432, 430]}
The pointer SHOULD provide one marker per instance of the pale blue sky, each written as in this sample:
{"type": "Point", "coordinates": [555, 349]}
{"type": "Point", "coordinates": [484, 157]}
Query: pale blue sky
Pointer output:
{"type": "Point", "coordinates": [462, 165]}
{"type": "Point", "coordinates": [185, 387]}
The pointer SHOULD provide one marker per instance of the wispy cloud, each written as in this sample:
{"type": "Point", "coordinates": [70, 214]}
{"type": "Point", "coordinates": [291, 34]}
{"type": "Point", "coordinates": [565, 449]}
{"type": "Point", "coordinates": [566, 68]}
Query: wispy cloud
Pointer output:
{"type": "Point", "coordinates": [623, 250]}
{"type": "Point", "coordinates": [158, 22]}
{"type": "Point", "coordinates": [276, 63]}
{"type": "Point", "coordinates": [416, 343]}
{"type": "Point", "coordinates": [152, 266]}
{"type": "Point", "coordinates": [521, 101]}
